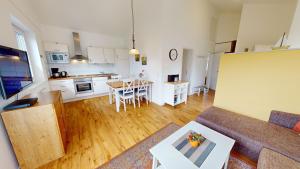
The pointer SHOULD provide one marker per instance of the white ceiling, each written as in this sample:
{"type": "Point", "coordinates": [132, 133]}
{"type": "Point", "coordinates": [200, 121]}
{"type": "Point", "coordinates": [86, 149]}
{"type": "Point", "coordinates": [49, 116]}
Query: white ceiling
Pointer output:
{"type": "Point", "coordinates": [237, 5]}
{"type": "Point", "coordinates": [105, 16]}
{"type": "Point", "coordinates": [228, 5]}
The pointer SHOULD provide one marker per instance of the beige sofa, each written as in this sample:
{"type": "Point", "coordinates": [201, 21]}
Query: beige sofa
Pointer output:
{"type": "Point", "coordinates": [269, 159]}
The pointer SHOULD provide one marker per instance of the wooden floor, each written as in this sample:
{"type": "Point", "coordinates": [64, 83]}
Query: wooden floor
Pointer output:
{"type": "Point", "coordinates": [97, 133]}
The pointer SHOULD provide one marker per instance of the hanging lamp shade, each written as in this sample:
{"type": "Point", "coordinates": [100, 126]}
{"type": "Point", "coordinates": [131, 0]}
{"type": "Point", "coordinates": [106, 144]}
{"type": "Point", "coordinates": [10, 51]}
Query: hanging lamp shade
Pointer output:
{"type": "Point", "coordinates": [133, 51]}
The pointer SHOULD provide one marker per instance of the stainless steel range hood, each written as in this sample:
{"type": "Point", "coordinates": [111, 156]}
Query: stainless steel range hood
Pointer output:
{"type": "Point", "coordinates": [78, 53]}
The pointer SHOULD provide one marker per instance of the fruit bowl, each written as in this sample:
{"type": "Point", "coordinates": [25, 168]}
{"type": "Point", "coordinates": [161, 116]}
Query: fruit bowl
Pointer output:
{"type": "Point", "coordinates": [195, 139]}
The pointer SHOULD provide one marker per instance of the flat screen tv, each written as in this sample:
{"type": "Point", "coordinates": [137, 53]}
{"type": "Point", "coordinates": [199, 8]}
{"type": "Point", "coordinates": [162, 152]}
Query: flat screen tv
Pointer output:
{"type": "Point", "coordinates": [15, 73]}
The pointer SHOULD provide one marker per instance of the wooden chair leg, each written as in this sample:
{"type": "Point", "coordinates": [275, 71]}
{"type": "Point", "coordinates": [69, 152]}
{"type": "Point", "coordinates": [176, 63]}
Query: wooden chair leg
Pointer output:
{"type": "Point", "coordinates": [124, 103]}
{"type": "Point", "coordinates": [139, 102]}
{"type": "Point", "coordinates": [133, 99]}
{"type": "Point", "coordinates": [147, 99]}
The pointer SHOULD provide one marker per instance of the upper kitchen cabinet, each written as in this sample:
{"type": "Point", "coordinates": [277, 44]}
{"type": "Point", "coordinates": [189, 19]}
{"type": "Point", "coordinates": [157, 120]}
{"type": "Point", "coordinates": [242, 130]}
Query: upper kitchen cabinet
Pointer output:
{"type": "Point", "coordinates": [122, 53]}
{"type": "Point", "coordinates": [56, 47]}
{"type": "Point", "coordinates": [100, 55]}
{"type": "Point", "coordinates": [122, 64]}
{"type": "Point", "coordinates": [109, 55]}
{"type": "Point", "coordinates": [96, 55]}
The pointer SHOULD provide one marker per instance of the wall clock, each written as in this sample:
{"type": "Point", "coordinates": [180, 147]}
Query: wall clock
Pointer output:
{"type": "Point", "coordinates": [173, 54]}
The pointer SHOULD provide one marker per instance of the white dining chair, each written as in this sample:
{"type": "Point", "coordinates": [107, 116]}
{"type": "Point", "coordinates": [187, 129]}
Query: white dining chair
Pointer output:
{"type": "Point", "coordinates": [128, 93]}
{"type": "Point", "coordinates": [142, 91]}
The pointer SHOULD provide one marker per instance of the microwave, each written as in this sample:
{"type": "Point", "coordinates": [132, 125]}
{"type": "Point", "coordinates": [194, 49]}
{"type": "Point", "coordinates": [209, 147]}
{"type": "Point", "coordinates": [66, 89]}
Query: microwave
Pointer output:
{"type": "Point", "coordinates": [57, 57]}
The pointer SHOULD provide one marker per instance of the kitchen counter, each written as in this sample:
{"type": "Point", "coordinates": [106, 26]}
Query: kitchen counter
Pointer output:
{"type": "Point", "coordinates": [84, 76]}
{"type": "Point", "coordinates": [177, 83]}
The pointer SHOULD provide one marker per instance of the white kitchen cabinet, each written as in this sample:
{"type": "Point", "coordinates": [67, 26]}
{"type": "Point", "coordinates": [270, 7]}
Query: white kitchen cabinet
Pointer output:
{"type": "Point", "coordinates": [66, 87]}
{"type": "Point", "coordinates": [56, 47]}
{"type": "Point", "coordinates": [96, 55]}
{"type": "Point", "coordinates": [175, 93]}
{"type": "Point", "coordinates": [122, 64]}
{"type": "Point", "coordinates": [109, 55]}
{"type": "Point", "coordinates": [100, 86]}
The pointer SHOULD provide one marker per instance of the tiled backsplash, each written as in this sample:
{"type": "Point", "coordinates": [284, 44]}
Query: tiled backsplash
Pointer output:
{"type": "Point", "coordinates": [83, 69]}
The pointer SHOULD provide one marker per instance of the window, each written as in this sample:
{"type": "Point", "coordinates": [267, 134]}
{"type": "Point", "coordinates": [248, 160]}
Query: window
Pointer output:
{"type": "Point", "coordinates": [21, 43]}
{"type": "Point", "coordinates": [20, 36]}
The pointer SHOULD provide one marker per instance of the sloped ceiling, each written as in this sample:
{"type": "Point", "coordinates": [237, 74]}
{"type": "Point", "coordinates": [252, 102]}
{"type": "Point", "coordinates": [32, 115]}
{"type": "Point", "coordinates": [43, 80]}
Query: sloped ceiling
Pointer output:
{"type": "Point", "coordinates": [103, 16]}
{"type": "Point", "coordinates": [111, 17]}
{"type": "Point", "coordinates": [237, 5]}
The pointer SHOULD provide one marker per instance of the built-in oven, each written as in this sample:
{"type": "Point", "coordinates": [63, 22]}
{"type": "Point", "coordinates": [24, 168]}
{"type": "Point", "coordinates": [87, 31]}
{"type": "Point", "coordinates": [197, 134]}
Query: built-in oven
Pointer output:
{"type": "Point", "coordinates": [83, 86]}
{"type": "Point", "coordinates": [57, 57]}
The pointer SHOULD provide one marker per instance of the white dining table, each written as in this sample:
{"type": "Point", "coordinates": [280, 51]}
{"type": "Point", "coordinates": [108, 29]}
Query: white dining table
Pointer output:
{"type": "Point", "coordinates": [116, 86]}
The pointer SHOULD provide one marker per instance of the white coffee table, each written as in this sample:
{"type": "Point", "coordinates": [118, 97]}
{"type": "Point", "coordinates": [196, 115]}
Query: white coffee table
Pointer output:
{"type": "Point", "coordinates": [169, 157]}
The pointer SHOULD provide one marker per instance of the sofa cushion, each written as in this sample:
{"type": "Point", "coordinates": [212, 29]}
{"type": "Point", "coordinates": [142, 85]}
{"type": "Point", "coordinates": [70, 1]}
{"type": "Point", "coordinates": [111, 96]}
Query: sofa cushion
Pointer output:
{"type": "Point", "coordinates": [297, 127]}
{"type": "Point", "coordinates": [251, 134]}
{"type": "Point", "coordinates": [284, 119]}
{"type": "Point", "coordinates": [269, 159]}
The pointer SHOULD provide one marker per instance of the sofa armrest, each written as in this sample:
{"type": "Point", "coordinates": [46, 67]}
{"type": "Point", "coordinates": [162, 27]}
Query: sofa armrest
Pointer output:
{"type": "Point", "coordinates": [284, 119]}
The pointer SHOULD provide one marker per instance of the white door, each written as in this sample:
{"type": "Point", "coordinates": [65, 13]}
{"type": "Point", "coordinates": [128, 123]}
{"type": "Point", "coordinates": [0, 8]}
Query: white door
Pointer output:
{"type": "Point", "coordinates": [96, 55]}
{"type": "Point", "coordinates": [187, 65]}
{"type": "Point", "coordinates": [214, 71]}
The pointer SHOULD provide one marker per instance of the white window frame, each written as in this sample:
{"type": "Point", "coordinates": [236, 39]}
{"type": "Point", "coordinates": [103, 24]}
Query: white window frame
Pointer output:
{"type": "Point", "coordinates": [23, 45]}
{"type": "Point", "coordinates": [21, 38]}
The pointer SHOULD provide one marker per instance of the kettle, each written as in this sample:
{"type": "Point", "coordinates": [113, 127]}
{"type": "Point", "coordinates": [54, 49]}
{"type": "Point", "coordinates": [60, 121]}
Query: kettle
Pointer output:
{"type": "Point", "coordinates": [56, 75]}
{"type": "Point", "coordinates": [63, 74]}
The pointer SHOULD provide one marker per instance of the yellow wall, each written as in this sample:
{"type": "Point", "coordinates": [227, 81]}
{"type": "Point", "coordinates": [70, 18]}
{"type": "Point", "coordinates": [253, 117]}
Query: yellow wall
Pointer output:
{"type": "Point", "coordinates": [253, 84]}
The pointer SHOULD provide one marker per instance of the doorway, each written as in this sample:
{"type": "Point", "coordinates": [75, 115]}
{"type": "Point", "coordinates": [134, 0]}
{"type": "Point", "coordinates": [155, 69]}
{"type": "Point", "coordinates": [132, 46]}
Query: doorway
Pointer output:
{"type": "Point", "coordinates": [187, 61]}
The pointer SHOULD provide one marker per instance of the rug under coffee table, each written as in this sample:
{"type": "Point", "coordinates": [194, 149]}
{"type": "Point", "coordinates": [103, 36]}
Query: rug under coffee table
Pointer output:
{"type": "Point", "coordinates": [139, 156]}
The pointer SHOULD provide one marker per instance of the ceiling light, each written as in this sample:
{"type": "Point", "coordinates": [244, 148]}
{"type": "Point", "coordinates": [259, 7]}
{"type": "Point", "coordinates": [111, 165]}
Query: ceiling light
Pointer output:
{"type": "Point", "coordinates": [133, 51]}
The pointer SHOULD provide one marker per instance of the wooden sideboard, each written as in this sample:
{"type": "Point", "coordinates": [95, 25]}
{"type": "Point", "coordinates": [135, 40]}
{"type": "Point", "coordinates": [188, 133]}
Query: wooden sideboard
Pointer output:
{"type": "Point", "coordinates": [37, 133]}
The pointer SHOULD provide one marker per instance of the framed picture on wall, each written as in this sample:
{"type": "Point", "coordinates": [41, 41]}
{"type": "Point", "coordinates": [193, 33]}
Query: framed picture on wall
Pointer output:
{"type": "Point", "coordinates": [144, 60]}
{"type": "Point", "coordinates": [137, 57]}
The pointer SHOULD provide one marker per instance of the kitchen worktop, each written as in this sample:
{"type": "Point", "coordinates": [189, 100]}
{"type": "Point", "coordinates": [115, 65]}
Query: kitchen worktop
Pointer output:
{"type": "Point", "coordinates": [84, 76]}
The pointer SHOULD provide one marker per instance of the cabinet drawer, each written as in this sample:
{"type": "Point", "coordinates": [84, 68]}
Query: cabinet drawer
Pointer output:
{"type": "Point", "coordinates": [67, 90]}
{"type": "Point", "coordinates": [61, 82]}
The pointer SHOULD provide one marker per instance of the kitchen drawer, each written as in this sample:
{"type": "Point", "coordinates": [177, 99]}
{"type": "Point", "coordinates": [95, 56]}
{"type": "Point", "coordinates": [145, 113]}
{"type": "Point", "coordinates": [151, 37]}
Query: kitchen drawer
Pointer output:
{"type": "Point", "coordinates": [65, 86]}
{"type": "Point", "coordinates": [61, 82]}
{"type": "Point", "coordinates": [100, 87]}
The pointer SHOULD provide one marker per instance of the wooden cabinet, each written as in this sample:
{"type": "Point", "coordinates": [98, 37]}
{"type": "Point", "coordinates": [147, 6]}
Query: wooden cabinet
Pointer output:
{"type": "Point", "coordinates": [100, 86]}
{"type": "Point", "coordinates": [66, 87]}
{"type": "Point", "coordinates": [175, 93]}
{"type": "Point", "coordinates": [37, 133]}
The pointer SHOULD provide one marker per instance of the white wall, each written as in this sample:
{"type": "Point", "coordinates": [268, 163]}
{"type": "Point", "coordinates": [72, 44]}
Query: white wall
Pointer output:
{"type": "Point", "coordinates": [263, 23]}
{"type": "Point", "coordinates": [294, 35]}
{"type": "Point", "coordinates": [64, 35]}
{"type": "Point", "coordinates": [20, 10]}
{"type": "Point", "coordinates": [163, 25]}
{"type": "Point", "coordinates": [148, 41]}
{"type": "Point", "coordinates": [228, 26]}
{"type": "Point", "coordinates": [227, 30]}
